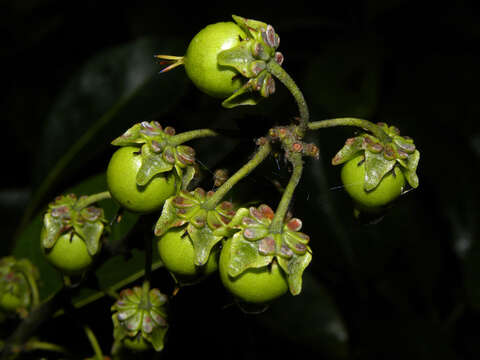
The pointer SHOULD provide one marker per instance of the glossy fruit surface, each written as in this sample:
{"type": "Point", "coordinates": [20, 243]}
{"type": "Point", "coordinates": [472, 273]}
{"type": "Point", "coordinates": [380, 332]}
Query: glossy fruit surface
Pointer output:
{"type": "Point", "coordinates": [121, 180]}
{"type": "Point", "coordinates": [69, 254]}
{"type": "Point", "coordinates": [177, 254]}
{"type": "Point", "coordinates": [389, 188]}
{"type": "Point", "coordinates": [260, 285]}
{"type": "Point", "coordinates": [201, 59]}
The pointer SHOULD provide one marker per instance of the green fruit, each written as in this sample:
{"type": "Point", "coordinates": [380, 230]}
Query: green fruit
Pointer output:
{"type": "Point", "coordinates": [201, 59]}
{"type": "Point", "coordinates": [177, 254]}
{"type": "Point", "coordinates": [260, 285]}
{"type": "Point", "coordinates": [121, 180]}
{"type": "Point", "coordinates": [389, 188]}
{"type": "Point", "coordinates": [69, 254]}
{"type": "Point", "coordinates": [10, 302]}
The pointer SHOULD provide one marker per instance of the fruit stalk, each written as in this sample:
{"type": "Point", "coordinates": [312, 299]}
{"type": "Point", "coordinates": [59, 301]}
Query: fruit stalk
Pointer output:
{"type": "Point", "coordinates": [190, 135]}
{"type": "Point", "coordinates": [34, 289]}
{"type": "Point", "coordinates": [93, 342]}
{"type": "Point", "coordinates": [276, 70]}
{"type": "Point", "coordinates": [84, 202]}
{"type": "Point", "coordinates": [277, 222]}
{"type": "Point", "coordinates": [261, 154]}
{"type": "Point", "coordinates": [349, 121]}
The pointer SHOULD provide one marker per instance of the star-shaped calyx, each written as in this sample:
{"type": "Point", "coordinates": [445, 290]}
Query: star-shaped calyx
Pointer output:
{"type": "Point", "coordinates": [66, 214]}
{"type": "Point", "coordinates": [381, 157]}
{"type": "Point", "coordinates": [250, 59]}
{"type": "Point", "coordinates": [159, 152]}
{"type": "Point", "coordinates": [140, 312]}
{"type": "Point", "coordinates": [16, 293]}
{"type": "Point", "coordinates": [256, 246]}
{"type": "Point", "coordinates": [206, 227]}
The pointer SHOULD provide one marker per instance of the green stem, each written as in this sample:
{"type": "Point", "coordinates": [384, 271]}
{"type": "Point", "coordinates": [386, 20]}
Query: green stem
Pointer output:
{"type": "Point", "coordinates": [84, 202]}
{"type": "Point", "coordinates": [148, 256]}
{"type": "Point", "coordinates": [45, 346]}
{"type": "Point", "coordinates": [348, 121]}
{"type": "Point", "coordinates": [257, 159]}
{"type": "Point", "coordinates": [93, 342]}
{"type": "Point", "coordinates": [277, 223]}
{"type": "Point", "coordinates": [190, 135]}
{"type": "Point", "coordinates": [33, 286]}
{"type": "Point", "coordinates": [276, 70]}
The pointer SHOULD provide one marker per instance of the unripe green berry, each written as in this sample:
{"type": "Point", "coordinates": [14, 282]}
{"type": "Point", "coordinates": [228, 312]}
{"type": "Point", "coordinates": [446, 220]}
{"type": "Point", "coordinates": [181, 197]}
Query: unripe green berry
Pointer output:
{"type": "Point", "coordinates": [389, 188]}
{"type": "Point", "coordinates": [121, 179]}
{"type": "Point", "coordinates": [201, 59]}
{"type": "Point", "coordinates": [254, 285]}
{"type": "Point", "coordinates": [69, 254]}
{"type": "Point", "coordinates": [177, 254]}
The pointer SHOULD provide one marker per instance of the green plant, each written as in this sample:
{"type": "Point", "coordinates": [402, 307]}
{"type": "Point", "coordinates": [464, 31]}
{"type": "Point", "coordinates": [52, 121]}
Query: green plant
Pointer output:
{"type": "Point", "coordinates": [264, 253]}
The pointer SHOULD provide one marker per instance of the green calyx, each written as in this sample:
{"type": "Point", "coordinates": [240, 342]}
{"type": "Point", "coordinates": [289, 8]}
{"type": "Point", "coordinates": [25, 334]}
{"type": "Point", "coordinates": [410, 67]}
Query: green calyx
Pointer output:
{"type": "Point", "coordinates": [250, 58]}
{"type": "Point", "coordinates": [255, 246]}
{"type": "Point", "coordinates": [66, 214]}
{"type": "Point", "coordinates": [160, 153]}
{"type": "Point", "coordinates": [206, 227]}
{"type": "Point", "coordinates": [140, 313]}
{"type": "Point", "coordinates": [381, 157]}
{"type": "Point", "coordinates": [16, 293]}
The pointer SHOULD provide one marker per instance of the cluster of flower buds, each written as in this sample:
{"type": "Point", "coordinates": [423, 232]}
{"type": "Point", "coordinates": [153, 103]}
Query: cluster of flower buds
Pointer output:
{"type": "Point", "coordinates": [292, 141]}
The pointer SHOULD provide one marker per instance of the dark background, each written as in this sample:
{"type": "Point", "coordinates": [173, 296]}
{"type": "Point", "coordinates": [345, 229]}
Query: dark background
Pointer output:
{"type": "Point", "coordinates": [406, 287]}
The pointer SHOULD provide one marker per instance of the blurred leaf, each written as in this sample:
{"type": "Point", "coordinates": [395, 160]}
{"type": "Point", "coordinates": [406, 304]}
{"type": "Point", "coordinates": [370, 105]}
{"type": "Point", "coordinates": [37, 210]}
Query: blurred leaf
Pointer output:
{"type": "Point", "coordinates": [310, 319]}
{"type": "Point", "coordinates": [115, 89]}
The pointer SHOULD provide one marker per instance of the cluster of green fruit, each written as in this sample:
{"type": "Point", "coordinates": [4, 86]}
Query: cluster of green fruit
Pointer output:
{"type": "Point", "coordinates": [260, 254]}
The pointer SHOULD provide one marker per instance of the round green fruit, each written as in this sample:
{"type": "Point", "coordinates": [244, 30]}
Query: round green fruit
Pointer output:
{"type": "Point", "coordinates": [201, 59]}
{"type": "Point", "coordinates": [260, 285]}
{"type": "Point", "coordinates": [389, 188]}
{"type": "Point", "coordinates": [121, 180]}
{"type": "Point", "coordinates": [69, 254]}
{"type": "Point", "coordinates": [177, 254]}
{"type": "Point", "coordinates": [10, 302]}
